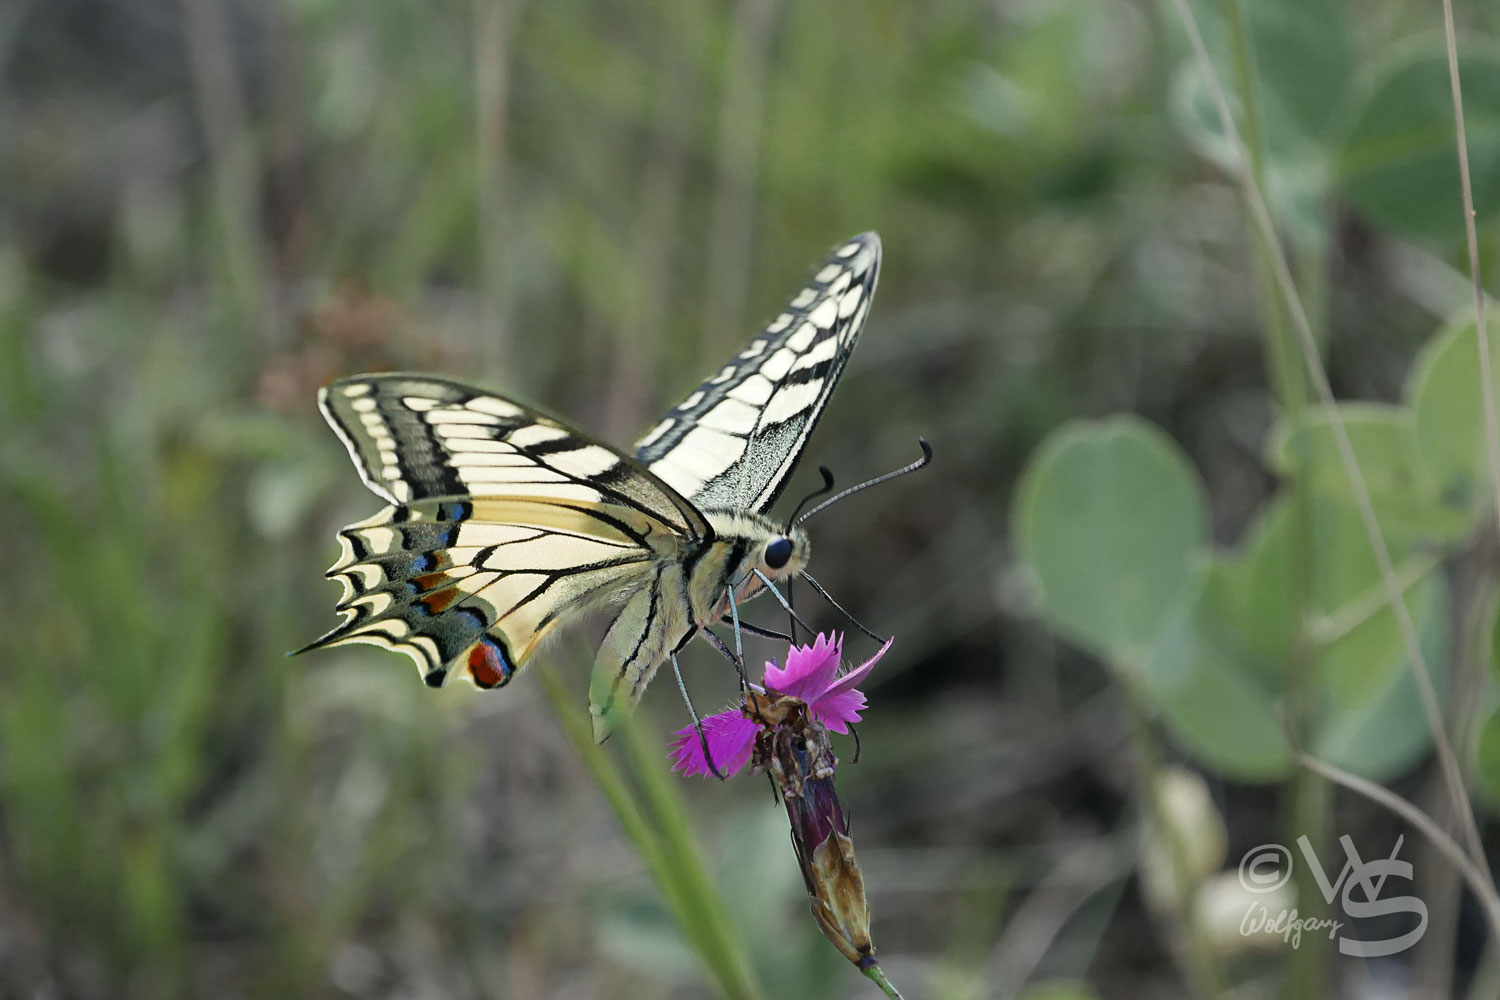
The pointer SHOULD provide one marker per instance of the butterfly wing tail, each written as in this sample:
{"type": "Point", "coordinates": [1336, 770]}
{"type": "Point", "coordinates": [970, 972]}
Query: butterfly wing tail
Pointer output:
{"type": "Point", "coordinates": [410, 587]}
{"type": "Point", "coordinates": [473, 586]}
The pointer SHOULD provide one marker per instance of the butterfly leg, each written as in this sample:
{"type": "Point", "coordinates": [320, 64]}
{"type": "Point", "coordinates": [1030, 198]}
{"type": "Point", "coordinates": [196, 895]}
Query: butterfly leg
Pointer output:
{"type": "Point", "coordinates": [738, 659]}
{"type": "Point", "coordinates": [768, 633]}
{"type": "Point", "coordinates": [739, 650]}
{"type": "Point", "coordinates": [837, 607]}
{"type": "Point", "coordinates": [697, 722]}
{"type": "Point", "coordinates": [791, 623]}
{"type": "Point", "coordinates": [728, 654]}
{"type": "Point", "coordinates": [777, 594]}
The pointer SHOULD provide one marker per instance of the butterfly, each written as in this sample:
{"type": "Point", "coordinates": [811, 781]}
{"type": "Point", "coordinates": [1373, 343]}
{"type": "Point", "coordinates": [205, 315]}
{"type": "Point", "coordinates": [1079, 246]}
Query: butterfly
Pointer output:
{"type": "Point", "coordinates": [505, 525]}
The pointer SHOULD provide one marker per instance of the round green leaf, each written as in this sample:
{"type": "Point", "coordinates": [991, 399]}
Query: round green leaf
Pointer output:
{"type": "Point", "coordinates": [1399, 164]}
{"type": "Point", "coordinates": [1378, 433]}
{"type": "Point", "coordinates": [1246, 636]}
{"type": "Point", "coordinates": [1447, 408]}
{"type": "Point", "coordinates": [1247, 598]}
{"type": "Point", "coordinates": [1405, 497]}
{"type": "Point", "coordinates": [1303, 58]}
{"type": "Point", "coordinates": [1110, 519]}
{"type": "Point", "coordinates": [1216, 702]}
{"type": "Point", "coordinates": [1370, 720]}
{"type": "Point", "coordinates": [1295, 171]}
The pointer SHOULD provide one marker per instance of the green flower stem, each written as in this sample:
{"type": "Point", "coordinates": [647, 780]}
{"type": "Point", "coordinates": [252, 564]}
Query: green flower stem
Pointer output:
{"type": "Point", "coordinates": [615, 788]}
{"type": "Point", "coordinates": [1308, 798]}
{"type": "Point", "coordinates": [669, 850]}
{"type": "Point", "coordinates": [877, 975]}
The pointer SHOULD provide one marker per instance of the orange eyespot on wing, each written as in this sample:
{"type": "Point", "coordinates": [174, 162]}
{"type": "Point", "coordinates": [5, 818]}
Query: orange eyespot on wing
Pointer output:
{"type": "Point", "coordinates": [430, 581]}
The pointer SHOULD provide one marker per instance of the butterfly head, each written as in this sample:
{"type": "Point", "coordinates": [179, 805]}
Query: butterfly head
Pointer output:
{"type": "Point", "coordinates": [783, 553]}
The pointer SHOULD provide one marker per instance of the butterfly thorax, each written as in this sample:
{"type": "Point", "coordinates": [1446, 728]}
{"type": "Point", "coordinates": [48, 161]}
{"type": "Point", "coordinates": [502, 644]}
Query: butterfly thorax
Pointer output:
{"type": "Point", "coordinates": [744, 543]}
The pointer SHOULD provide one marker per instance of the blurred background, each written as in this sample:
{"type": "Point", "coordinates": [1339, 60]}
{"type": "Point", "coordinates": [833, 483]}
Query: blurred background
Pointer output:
{"type": "Point", "coordinates": [208, 208]}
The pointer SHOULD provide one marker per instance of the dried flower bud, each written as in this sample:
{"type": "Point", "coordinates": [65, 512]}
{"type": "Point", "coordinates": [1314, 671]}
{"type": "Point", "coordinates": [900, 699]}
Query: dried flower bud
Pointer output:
{"type": "Point", "coordinates": [800, 759]}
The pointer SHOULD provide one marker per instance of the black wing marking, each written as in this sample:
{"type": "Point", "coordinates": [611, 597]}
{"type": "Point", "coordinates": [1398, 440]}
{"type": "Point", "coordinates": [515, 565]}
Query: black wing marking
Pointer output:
{"type": "Point", "coordinates": [735, 441]}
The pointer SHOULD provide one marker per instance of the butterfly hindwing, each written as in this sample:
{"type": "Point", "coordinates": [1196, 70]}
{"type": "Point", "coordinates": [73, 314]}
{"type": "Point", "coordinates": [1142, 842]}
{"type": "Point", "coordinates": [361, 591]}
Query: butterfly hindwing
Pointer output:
{"type": "Point", "coordinates": [734, 442]}
{"type": "Point", "coordinates": [477, 584]}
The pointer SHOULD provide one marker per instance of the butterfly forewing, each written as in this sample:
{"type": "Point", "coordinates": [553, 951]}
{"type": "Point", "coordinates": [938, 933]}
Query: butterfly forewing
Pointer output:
{"type": "Point", "coordinates": [734, 442]}
{"type": "Point", "coordinates": [415, 436]}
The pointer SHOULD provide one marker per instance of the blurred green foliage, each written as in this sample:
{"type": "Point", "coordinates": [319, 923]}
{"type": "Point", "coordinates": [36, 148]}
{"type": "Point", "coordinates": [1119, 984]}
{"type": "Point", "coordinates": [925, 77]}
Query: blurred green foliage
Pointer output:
{"type": "Point", "coordinates": [210, 207]}
{"type": "Point", "coordinates": [1113, 524]}
{"type": "Point", "coordinates": [1292, 642]}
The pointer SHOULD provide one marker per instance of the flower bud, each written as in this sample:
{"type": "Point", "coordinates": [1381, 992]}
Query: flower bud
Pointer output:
{"type": "Point", "coordinates": [801, 762]}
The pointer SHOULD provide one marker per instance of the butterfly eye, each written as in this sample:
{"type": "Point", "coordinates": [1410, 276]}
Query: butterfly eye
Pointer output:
{"type": "Point", "coordinates": [779, 552]}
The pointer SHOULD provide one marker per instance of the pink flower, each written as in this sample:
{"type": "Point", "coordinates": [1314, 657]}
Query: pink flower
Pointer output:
{"type": "Point", "coordinates": [811, 675]}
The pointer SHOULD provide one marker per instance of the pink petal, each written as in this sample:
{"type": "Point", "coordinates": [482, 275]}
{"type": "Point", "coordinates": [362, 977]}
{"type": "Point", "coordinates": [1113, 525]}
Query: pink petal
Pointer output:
{"type": "Point", "coordinates": [837, 711]}
{"type": "Point", "coordinates": [859, 673]}
{"type": "Point", "coordinates": [809, 669]}
{"type": "Point", "coordinates": [840, 703]}
{"type": "Point", "coordinates": [730, 736]}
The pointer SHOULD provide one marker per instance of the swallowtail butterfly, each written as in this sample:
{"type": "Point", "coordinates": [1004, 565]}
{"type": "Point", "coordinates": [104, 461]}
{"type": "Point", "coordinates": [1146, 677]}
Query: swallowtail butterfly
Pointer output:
{"type": "Point", "coordinates": [505, 524]}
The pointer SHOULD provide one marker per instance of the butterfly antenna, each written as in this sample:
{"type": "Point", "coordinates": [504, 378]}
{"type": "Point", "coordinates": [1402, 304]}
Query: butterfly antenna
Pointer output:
{"type": "Point", "coordinates": [708, 758]}
{"type": "Point", "coordinates": [837, 607]}
{"type": "Point", "coordinates": [827, 487]}
{"type": "Point", "coordinates": [896, 474]}
{"type": "Point", "coordinates": [853, 732]}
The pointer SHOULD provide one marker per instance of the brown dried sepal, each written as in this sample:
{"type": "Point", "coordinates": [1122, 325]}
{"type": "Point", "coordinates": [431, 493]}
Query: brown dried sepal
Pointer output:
{"type": "Point", "coordinates": [772, 710]}
{"type": "Point", "coordinates": [837, 895]}
{"type": "Point", "coordinates": [788, 732]}
{"type": "Point", "coordinates": [797, 752]}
